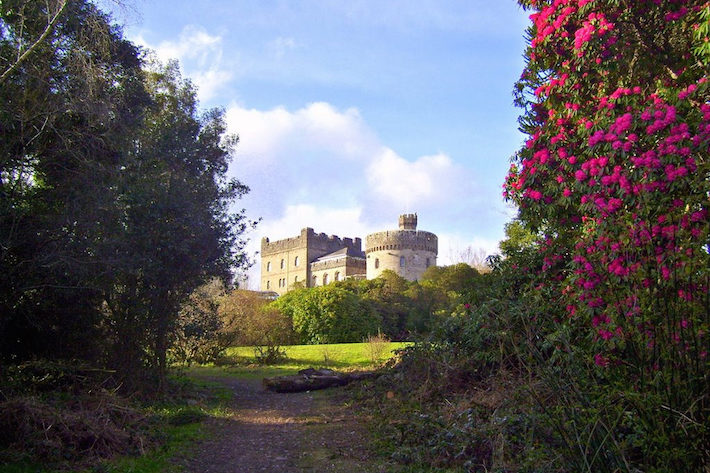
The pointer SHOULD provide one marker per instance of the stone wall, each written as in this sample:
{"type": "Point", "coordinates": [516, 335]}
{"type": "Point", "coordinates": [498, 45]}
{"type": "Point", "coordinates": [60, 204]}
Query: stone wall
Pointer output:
{"type": "Point", "coordinates": [285, 262]}
{"type": "Point", "coordinates": [406, 252]}
{"type": "Point", "coordinates": [337, 269]}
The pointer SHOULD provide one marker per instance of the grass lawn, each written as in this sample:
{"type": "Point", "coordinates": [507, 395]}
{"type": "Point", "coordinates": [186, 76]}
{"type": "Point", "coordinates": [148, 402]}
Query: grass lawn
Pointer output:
{"type": "Point", "coordinates": [339, 356]}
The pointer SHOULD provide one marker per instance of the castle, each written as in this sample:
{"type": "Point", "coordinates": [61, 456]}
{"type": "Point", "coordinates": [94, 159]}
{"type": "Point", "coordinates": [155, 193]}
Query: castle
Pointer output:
{"type": "Point", "coordinates": [316, 259]}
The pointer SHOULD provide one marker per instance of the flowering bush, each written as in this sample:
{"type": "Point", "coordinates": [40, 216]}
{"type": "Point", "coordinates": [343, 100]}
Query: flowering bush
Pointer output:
{"type": "Point", "coordinates": [615, 174]}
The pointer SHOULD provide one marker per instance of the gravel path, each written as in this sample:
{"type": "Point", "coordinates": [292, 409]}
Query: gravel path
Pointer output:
{"type": "Point", "coordinates": [285, 433]}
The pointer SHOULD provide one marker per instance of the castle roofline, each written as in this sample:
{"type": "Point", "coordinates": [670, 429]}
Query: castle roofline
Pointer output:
{"type": "Point", "coordinates": [341, 253]}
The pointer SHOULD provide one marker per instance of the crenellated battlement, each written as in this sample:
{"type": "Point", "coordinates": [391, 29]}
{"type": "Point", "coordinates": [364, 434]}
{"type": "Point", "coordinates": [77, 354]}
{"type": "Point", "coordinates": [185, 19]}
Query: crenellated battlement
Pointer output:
{"type": "Point", "coordinates": [408, 222]}
{"type": "Point", "coordinates": [402, 240]}
{"type": "Point", "coordinates": [308, 238]}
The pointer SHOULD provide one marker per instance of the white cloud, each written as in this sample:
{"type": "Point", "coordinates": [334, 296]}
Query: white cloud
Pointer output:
{"type": "Point", "coordinates": [318, 126]}
{"type": "Point", "coordinates": [409, 184]}
{"type": "Point", "coordinates": [343, 222]}
{"type": "Point", "coordinates": [200, 55]}
{"type": "Point", "coordinates": [280, 46]}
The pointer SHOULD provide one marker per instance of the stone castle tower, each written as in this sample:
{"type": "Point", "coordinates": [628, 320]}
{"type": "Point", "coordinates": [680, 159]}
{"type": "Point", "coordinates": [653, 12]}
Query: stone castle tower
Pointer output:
{"type": "Point", "coordinates": [407, 251]}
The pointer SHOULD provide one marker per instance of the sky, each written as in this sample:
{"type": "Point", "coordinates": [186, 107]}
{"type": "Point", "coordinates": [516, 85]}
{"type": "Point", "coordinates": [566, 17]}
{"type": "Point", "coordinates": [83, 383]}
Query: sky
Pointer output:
{"type": "Point", "coordinates": [350, 113]}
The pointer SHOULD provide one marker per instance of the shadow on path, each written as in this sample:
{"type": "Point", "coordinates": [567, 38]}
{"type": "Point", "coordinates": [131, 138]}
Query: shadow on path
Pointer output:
{"type": "Point", "coordinates": [285, 433]}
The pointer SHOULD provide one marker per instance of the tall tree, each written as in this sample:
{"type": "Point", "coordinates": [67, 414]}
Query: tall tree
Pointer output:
{"type": "Point", "coordinates": [71, 95]}
{"type": "Point", "coordinates": [115, 202]}
{"type": "Point", "coordinates": [177, 228]}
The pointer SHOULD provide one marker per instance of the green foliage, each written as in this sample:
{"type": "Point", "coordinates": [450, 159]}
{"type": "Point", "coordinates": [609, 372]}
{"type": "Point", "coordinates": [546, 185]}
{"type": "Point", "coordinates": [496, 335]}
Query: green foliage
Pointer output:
{"type": "Point", "coordinates": [196, 338]}
{"type": "Point", "coordinates": [517, 238]}
{"type": "Point", "coordinates": [390, 304]}
{"type": "Point", "coordinates": [327, 314]}
{"type": "Point", "coordinates": [114, 198]}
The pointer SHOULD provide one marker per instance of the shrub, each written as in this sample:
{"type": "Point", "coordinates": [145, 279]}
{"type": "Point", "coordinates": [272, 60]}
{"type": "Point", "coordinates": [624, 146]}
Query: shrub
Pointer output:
{"type": "Point", "coordinates": [617, 109]}
{"type": "Point", "coordinates": [327, 314]}
{"type": "Point", "coordinates": [377, 346]}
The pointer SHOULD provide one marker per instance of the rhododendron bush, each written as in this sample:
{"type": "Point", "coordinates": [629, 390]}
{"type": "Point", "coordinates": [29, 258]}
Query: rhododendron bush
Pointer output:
{"type": "Point", "coordinates": [615, 174]}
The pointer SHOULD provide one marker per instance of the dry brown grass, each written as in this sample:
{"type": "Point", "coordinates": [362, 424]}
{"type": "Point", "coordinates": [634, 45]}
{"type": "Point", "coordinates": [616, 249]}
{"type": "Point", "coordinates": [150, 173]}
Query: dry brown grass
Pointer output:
{"type": "Point", "coordinates": [94, 426]}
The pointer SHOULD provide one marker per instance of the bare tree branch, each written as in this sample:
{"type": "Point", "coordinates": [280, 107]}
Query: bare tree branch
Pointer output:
{"type": "Point", "coordinates": [50, 26]}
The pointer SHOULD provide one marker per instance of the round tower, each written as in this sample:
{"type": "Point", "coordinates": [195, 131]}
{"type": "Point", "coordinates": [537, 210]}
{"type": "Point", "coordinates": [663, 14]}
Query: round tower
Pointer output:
{"type": "Point", "coordinates": [407, 251]}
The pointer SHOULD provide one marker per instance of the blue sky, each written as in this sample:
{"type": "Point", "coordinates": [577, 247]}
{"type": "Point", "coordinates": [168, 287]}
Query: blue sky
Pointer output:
{"type": "Point", "coordinates": [352, 112]}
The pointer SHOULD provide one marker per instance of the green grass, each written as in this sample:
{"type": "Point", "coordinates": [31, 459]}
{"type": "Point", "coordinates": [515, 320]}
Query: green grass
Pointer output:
{"type": "Point", "coordinates": [339, 356]}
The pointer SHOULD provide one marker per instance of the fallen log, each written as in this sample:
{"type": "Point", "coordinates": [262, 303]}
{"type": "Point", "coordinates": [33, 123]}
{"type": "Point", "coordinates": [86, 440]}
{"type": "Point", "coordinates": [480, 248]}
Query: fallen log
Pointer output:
{"type": "Point", "coordinates": [312, 379]}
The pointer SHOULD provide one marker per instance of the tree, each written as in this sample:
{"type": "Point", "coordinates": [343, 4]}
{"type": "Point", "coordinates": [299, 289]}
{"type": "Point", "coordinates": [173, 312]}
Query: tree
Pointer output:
{"type": "Point", "coordinates": [71, 98]}
{"type": "Point", "coordinates": [176, 229]}
{"type": "Point", "coordinates": [114, 198]}
{"type": "Point", "coordinates": [196, 337]}
{"type": "Point", "coordinates": [388, 296]}
{"type": "Point", "coordinates": [248, 319]}
{"type": "Point", "coordinates": [615, 175]}
{"type": "Point", "coordinates": [328, 314]}
{"type": "Point", "coordinates": [517, 238]}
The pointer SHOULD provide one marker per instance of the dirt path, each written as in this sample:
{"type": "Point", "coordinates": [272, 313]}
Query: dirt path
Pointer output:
{"type": "Point", "coordinates": [285, 433]}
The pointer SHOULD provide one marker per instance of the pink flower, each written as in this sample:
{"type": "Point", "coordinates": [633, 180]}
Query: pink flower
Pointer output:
{"type": "Point", "coordinates": [601, 360]}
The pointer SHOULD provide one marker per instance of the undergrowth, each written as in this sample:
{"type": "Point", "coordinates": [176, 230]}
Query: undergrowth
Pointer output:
{"type": "Point", "coordinates": [66, 416]}
{"type": "Point", "coordinates": [436, 411]}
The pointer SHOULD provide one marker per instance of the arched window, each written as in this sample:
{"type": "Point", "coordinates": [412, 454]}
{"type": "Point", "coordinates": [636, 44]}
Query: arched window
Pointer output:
{"type": "Point", "coordinates": [268, 265]}
{"type": "Point", "coordinates": [295, 279]}
{"type": "Point", "coordinates": [295, 261]}
{"type": "Point", "coordinates": [337, 276]}
{"type": "Point", "coordinates": [283, 263]}
{"type": "Point", "coordinates": [315, 281]}
{"type": "Point", "coordinates": [401, 261]}
{"type": "Point", "coordinates": [325, 279]}
{"type": "Point", "coordinates": [377, 263]}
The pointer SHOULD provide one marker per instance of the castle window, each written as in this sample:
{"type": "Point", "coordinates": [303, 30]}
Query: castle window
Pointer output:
{"type": "Point", "coordinates": [428, 262]}
{"type": "Point", "coordinates": [377, 263]}
{"type": "Point", "coordinates": [283, 262]}
{"type": "Point", "coordinates": [268, 284]}
{"type": "Point", "coordinates": [325, 279]}
{"type": "Point", "coordinates": [295, 279]}
{"type": "Point", "coordinates": [295, 261]}
{"type": "Point", "coordinates": [268, 266]}
{"type": "Point", "coordinates": [337, 276]}
{"type": "Point", "coordinates": [401, 261]}
{"type": "Point", "coordinates": [315, 281]}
